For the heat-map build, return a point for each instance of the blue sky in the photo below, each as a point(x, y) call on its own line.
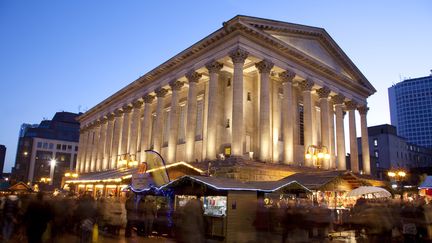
point(70, 55)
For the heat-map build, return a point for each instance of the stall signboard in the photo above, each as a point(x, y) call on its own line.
point(157, 165)
point(140, 179)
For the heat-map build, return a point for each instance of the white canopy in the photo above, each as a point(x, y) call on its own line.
point(363, 190)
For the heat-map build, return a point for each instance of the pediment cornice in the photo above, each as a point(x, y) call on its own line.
point(252, 28)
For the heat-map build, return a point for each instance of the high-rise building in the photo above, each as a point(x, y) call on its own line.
point(2, 158)
point(411, 110)
point(47, 150)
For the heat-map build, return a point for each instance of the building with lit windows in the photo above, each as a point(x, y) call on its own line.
point(411, 110)
point(257, 98)
point(46, 151)
point(391, 151)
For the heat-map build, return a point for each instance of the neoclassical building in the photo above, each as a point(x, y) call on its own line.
point(257, 89)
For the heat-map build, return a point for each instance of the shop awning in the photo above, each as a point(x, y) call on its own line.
point(427, 183)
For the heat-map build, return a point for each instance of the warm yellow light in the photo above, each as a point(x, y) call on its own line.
point(75, 175)
point(81, 185)
point(111, 186)
point(315, 157)
point(401, 174)
point(320, 155)
point(67, 174)
point(132, 163)
point(53, 162)
point(99, 186)
point(308, 156)
point(391, 174)
point(326, 156)
point(25, 153)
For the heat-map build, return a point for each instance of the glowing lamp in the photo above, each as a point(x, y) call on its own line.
point(308, 156)
point(401, 174)
point(391, 174)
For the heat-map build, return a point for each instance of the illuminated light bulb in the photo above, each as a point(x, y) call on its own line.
point(308, 156)
point(401, 174)
point(320, 155)
point(326, 156)
point(391, 174)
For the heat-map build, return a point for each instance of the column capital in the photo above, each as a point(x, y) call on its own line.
point(148, 99)
point(363, 109)
point(118, 113)
point(323, 92)
point(193, 77)
point(97, 123)
point(214, 66)
point(306, 85)
point(238, 55)
point(137, 103)
point(103, 119)
point(161, 92)
point(110, 116)
point(264, 66)
point(338, 99)
point(287, 76)
point(127, 108)
point(351, 105)
point(176, 85)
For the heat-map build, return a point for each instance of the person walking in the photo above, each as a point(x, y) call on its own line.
point(131, 214)
point(36, 218)
point(11, 208)
point(149, 215)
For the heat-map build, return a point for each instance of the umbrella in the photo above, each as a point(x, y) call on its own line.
point(363, 190)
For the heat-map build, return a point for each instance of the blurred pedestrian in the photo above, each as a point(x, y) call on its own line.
point(36, 218)
point(149, 214)
point(86, 213)
point(11, 207)
point(131, 214)
point(192, 227)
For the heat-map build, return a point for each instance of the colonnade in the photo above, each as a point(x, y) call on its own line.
point(124, 133)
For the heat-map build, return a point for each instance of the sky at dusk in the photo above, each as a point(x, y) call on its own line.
point(71, 55)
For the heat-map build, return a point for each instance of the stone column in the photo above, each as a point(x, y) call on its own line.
point(101, 144)
point(351, 107)
point(288, 110)
point(125, 131)
point(323, 94)
point(264, 67)
point(82, 149)
point(89, 147)
point(332, 136)
point(308, 109)
point(118, 122)
point(365, 140)
point(193, 78)
point(213, 68)
point(135, 120)
point(157, 137)
point(108, 141)
point(174, 121)
point(95, 146)
point(146, 126)
point(338, 100)
point(238, 57)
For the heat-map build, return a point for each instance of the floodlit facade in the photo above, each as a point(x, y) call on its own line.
point(254, 89)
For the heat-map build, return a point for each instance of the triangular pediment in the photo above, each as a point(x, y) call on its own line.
point(313, 49)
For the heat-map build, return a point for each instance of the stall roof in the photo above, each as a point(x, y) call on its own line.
point(316, 180)
point(221, 183)
point(427, 183)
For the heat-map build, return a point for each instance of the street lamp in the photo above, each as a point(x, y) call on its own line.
point(317, 154)
point(53, 163)
point(398, 176)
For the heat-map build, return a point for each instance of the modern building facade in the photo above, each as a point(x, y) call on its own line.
point(411, 110)
point(2, 158)
point(255, 89)
point(392, 152)
point(38, 148)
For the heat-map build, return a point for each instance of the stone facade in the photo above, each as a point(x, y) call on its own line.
point(265, 89)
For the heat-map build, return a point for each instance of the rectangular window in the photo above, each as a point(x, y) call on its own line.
point(76, 148)
point(45, 145)
point(64, 147)
point(376, 154)
point(182, 128)
point(69, 147)
point(301, 124)
point(166, 129)
point(58, 146)
point(199, 120)
point(39, 144)
point(51, 146)
point(375, 141)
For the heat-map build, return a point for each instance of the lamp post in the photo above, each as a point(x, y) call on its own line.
point(317, 154)
point(53, 163)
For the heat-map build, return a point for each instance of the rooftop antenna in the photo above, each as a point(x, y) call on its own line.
point(79, 108)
